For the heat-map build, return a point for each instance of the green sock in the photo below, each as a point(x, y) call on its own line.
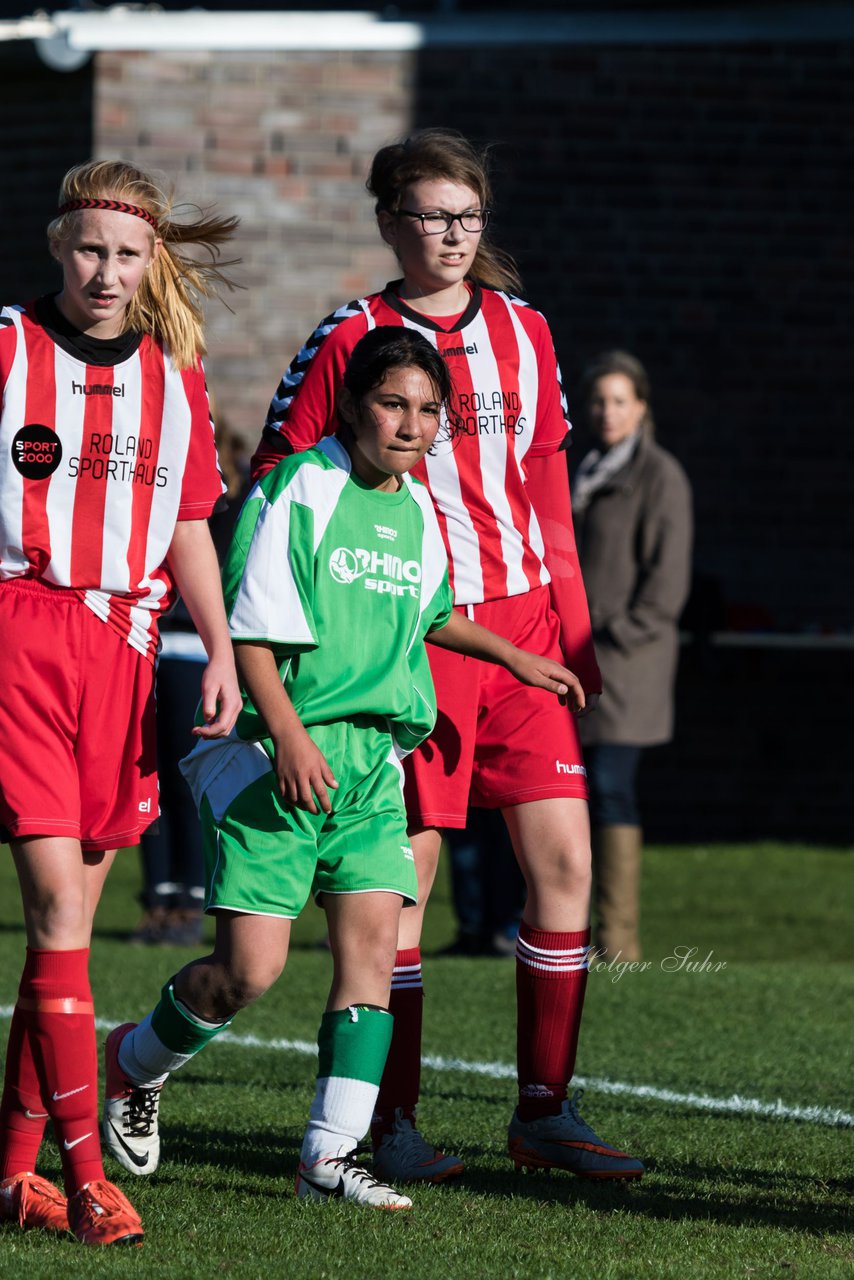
point(165, 1040)
point(353, 1045)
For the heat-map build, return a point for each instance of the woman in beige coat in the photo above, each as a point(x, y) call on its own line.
point(632, 511)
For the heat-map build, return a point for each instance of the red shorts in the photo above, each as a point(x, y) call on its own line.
point(76, 722)
point(497, 742)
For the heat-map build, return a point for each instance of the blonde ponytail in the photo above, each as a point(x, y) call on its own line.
point(167, 304)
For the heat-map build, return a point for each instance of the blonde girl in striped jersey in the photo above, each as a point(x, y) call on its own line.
point(108, 473)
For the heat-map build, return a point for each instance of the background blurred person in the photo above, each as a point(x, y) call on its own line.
point(631, 504)
point(173, 861)
point(487, 886)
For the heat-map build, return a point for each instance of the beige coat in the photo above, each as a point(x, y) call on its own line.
point(634, 543)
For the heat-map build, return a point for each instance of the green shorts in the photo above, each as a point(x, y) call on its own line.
point(265, 857)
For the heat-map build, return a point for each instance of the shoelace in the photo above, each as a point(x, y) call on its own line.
point(98, 1204)
point(347, 1164)
point(575, 1103)
point(406, 1138)
point(139, 1112)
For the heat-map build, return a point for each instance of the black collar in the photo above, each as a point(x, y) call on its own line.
point(392, 298)
point(98, 351)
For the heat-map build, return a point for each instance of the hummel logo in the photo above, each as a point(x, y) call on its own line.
point(68, 1145)
point(139, 1161)
point(57, 1097)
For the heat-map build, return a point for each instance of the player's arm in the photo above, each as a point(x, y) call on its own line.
point(301, 768)
point(193, 563)
point(460, 635)
point(303, 410)
point(547, 485)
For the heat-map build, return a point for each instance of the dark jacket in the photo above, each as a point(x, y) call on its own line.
point(634, 542)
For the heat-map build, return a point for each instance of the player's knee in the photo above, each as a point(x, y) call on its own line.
point(247, 982)
point(567, 873)
point(57, 920)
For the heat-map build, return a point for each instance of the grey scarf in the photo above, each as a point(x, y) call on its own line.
point(598, 467)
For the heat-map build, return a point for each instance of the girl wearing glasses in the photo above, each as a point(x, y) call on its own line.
point(499, 485)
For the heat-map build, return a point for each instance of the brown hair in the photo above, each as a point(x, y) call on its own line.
point(442, 153)
point(167, 303)
point(629, 366)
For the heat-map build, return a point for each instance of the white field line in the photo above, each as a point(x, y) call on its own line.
point(734, 1105)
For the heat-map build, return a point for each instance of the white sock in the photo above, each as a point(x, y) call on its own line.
point(340, 1115)
point(145, 1059)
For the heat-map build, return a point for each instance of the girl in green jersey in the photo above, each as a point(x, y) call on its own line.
point(336, 577)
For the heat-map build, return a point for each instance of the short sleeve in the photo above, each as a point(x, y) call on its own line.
point(437, 597)
point(552, 423)
point(202, 485)
point(268, 573)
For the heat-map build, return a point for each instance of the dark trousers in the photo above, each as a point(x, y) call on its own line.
point(172, 859)
point(612, 778)
point(488, 888)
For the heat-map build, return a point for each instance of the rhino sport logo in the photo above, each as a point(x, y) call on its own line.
point(381, 571)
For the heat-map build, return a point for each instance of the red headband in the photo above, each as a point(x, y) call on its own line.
point(115, 206)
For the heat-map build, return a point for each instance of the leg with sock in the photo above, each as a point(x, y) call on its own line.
point(60, 889)
point(138, 1060)
point(23, 1111)
point(25, 1198)
point(401, 1153)
point(401, 1082)
point(194, 1007)
point(551, 839)
point(353, 1045)
point(56, 1003)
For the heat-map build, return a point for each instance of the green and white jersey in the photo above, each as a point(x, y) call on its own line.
point(344, 582)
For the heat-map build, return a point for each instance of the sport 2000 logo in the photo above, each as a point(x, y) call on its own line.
point(383, 572)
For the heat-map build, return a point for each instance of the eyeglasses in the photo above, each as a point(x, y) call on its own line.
point(437, 221)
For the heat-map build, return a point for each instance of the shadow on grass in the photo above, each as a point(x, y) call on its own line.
point(253, 1153)
point(688, 1191)
point(671, 1191)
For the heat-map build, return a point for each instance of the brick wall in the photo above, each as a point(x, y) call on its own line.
point(285, 142)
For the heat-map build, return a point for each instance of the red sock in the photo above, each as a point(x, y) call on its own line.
point(57, 1000)
point(551, 976)
point(401, 1082)
point(23, 1114)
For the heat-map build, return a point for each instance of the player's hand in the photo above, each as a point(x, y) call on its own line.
point(303, 773)
point(545, 673)
point(221, 700)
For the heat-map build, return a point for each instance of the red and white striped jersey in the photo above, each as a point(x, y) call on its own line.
point(97, 464)
point(509, 408)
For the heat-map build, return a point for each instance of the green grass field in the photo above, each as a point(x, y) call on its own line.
point(730, 1190)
